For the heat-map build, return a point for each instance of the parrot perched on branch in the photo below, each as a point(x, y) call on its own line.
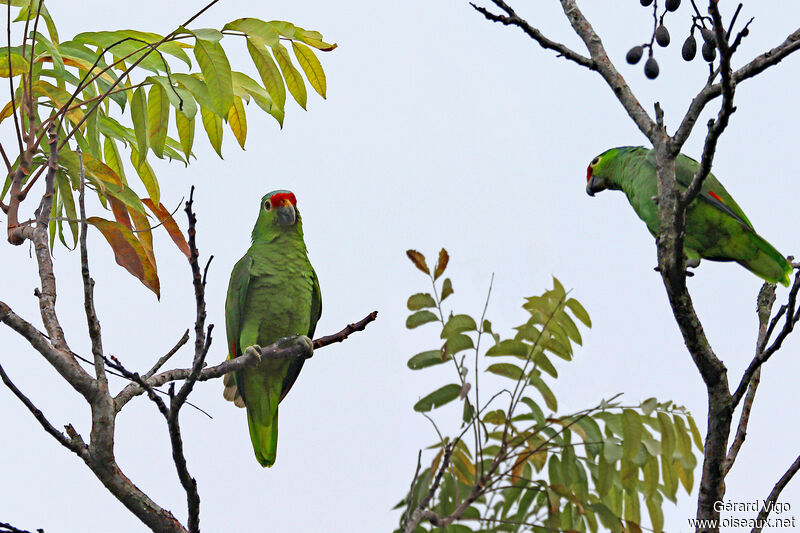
point(716, 227)
point(273, 293)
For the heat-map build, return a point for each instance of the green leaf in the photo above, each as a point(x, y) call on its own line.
point(509, 347)
point(294, 81)
point(426, 359)
point(669, 477)
point(605, 477)
point(547, 394)
point(212, 123)
point(607, 517)
point(457, 324)
point(65, 194)
point(140, 127)
point(179, 97)
point(628, 474)
point(421, 300)
point(632, 430)
point(217, 74)
point(656, 515)
point(311, 66)
point(496, 417)
point(468, 413)
point(437, 398)
point(506, 370)
point(157, 119)
point(652, 446)
point(650, 472)
point(696, 437)
point(667, 436)
point(265, 31)
point(543, 363)
point(648, 406)
point(579, 312)
point(684, 441)
point(419, 318)
point(447, 288)
point(268, 71)
point(19, 65)
point(612, 449)
point(208, 34)
point(457, 343)
point(536, 411)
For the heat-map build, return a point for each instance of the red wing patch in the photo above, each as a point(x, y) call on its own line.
point(716, 197)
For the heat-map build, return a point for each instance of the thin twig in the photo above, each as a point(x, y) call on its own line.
point(769, 503)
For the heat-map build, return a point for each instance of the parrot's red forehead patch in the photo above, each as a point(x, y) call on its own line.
point(277, 199)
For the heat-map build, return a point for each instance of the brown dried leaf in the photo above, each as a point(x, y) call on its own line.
point(441, 263)
point(128, 251)
point(418, 259)
point(165, 218)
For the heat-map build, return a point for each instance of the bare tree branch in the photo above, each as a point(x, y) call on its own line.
point(71, 444)
point(774, 493)
point(511, 19)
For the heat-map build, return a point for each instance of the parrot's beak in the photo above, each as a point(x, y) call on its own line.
point(593, 186)
point(286, 214)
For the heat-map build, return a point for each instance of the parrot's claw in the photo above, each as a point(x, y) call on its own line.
point(287, 342)
point(689, 274)
point(308, 345)
point(254, 351)
point(654, 199)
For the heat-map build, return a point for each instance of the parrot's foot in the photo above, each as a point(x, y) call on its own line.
point(689, 273)
point(305, 342)
point(254, 351)
point(654, 199)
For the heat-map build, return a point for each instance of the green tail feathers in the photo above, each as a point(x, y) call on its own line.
point(264, 438)
point(768, 263)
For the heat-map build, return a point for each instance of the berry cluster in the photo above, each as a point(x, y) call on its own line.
point(662, 38)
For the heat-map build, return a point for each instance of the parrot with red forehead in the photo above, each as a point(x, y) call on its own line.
point(273, 293)
point(716, 227)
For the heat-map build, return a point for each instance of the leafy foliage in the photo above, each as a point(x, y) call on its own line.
point(111, 92)
point(525, 466)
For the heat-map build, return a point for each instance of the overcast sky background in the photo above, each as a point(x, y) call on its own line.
point(440, 129)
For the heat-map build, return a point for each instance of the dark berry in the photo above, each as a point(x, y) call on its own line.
point(645, 3)
point(662, 35)
point(634, 55)
point(651, 68)
point(689, 49)
point(709, 52)
point(672, 5)
point(708, 36)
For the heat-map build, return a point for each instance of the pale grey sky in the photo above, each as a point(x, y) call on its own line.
point(440, 129)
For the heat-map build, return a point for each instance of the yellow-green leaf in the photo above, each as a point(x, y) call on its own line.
point(507, 370)
point(294, 81)
point(421, 300)
point(269, 73)
point(238, 121)
point(632, 430)
point(311, 66)
point(457, 324)
point(139, 117)
point(426, 359)
point(157, 119)
point(447, 288)
point(18, 64)
point(213, 126)
point(148, 177)
point(128, 252)
point(217, 74)
point(185, 127)
point(112, 157)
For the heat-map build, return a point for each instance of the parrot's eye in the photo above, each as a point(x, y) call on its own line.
point(267, 205)
point(595, 160)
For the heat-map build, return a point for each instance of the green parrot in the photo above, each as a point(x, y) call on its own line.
point(716, 227)
point(273, 293)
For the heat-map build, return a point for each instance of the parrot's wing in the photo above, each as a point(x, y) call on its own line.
point(316, 311)
point(712, 191)
point(316, 305)
point(234, 311)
